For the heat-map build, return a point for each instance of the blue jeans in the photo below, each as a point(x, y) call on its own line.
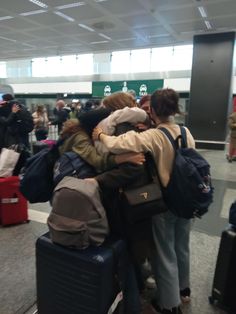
point(170, 258)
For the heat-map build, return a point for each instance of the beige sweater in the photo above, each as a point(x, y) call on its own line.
point(152, 140)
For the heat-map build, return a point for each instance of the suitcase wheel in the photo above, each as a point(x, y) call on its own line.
point(211, 299)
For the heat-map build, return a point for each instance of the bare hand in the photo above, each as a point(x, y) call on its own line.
point(134, 158)
point(96, 132)
point(15, 108)
point(142, 126)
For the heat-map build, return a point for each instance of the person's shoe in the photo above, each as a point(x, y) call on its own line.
point(174, 310)
point(230, 159)
point(185, 295)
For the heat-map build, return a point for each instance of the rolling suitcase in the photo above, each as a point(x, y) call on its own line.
point(224, 283)
point(13, 205)
point(78, 281)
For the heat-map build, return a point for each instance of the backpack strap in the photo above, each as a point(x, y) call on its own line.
point(183, 137)
point(175, 142)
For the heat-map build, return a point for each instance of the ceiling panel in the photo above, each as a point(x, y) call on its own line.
point(43, 32)
point(179, 15)
point(83, 13)
point(70, 29)
point(130, 24)
point(119, 7)
point(221, 8)
point(19, 6)
point(189, 26)
point(47, 19)
point(17, 23)
point(139, 21)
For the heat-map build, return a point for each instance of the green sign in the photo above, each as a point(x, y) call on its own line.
point(144, 87)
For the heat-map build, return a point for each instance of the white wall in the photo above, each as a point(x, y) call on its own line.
point(53, 88)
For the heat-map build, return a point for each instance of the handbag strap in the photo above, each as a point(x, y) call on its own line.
point(151, 168)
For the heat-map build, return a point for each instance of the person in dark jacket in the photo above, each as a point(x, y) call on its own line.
point(60, 115)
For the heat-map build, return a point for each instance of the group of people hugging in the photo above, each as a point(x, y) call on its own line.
point(114, 139)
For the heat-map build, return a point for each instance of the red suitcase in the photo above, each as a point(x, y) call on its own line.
point(13, 205)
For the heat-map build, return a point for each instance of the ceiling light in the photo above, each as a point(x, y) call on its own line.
point(158, 36)
point(208, 24)
point(100, 0)
point(5, 38)
point(8, 17)
point(104, 36)
point(71, 5)
point(39, 3)
point(32, 12)
point(64, 16)
point(202, 11)
point(126, 39)
point(99, 42)
point(86, 27)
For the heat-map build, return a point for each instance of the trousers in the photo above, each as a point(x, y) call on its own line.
point(170, 257)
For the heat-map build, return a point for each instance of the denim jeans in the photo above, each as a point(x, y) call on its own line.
point(170, 258)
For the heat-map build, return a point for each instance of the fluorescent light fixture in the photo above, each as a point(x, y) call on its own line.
point(126, 39)
point(28, 45)
point(99, 42)
point(32, 12)
point(71, 5)
point(39, 3)
point(86, 27)
point(5, 38)
point(104, 36)
point(158, 36)
point(64, 16)
point(202, 11)
point(100, 0)
point(208, 25)
point(8, 17)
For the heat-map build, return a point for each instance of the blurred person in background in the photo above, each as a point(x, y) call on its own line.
point(40, 123)
point(60, 114)
point(232, 139)
point(16, 122)
point(75, 107)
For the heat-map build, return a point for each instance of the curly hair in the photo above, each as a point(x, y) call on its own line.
point(118, 100)
point(164, 102)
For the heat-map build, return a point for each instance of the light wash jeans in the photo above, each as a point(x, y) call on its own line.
point(170, 258)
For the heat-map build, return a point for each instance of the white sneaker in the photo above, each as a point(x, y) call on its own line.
point(150, 283)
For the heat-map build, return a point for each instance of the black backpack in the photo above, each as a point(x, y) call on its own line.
point(71, 164)
point(189, 191)
point(36, 178)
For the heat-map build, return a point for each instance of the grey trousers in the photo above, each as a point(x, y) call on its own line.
point(170, 258)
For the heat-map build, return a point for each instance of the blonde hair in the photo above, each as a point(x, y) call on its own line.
point(70, 127)
point(118, 100)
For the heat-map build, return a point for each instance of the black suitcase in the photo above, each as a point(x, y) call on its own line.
point(78, 281)
point(224, 283)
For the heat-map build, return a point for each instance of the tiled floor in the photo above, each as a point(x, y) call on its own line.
point(17, 247)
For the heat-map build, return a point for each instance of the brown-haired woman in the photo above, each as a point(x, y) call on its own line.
point(171, 233)
point(40, 119)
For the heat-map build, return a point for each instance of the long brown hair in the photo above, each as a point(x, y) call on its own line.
point(118, 100)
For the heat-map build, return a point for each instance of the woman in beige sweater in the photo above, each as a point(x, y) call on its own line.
point(170, 233)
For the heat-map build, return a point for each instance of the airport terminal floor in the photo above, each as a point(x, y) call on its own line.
point(17, 253)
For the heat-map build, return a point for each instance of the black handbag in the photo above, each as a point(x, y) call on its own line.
point(143, 202)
